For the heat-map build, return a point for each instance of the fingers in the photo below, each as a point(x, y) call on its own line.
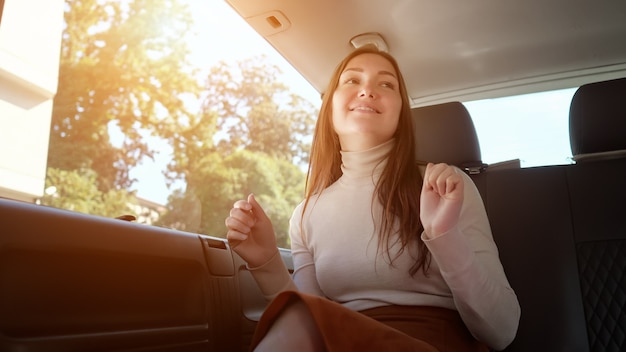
point(241, 218)
point(441, 178)
point(244, 216)
point(235, 238)
point(241, 221)
point(256, 208)
point(242, 204)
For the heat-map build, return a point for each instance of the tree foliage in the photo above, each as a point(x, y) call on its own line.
point(257, 112)
point(125, 67)
point(76, 190)
point(218, 181)
point(122, 63)
point(248, 137)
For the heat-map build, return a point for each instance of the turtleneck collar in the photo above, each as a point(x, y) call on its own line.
point(365, 166)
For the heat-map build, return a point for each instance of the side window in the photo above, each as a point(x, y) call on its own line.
point(531, 127)
point(160, 117)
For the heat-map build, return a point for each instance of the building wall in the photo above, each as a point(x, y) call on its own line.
point(30, 42)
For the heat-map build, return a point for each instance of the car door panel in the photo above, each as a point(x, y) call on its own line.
point(71, 281)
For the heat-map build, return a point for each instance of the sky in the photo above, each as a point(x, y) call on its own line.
point(533, 128)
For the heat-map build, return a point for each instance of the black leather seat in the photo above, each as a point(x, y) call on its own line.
point(598, 121)
point(531, 222)
point(445, 133)
point(561, 232)
point(598, 203)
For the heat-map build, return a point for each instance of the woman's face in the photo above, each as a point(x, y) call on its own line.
point(367, 103)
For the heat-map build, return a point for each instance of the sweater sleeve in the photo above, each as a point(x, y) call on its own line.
point(468, 260)
point(304, 274)
point(273, 277)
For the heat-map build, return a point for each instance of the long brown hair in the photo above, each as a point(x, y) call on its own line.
point(400, 184)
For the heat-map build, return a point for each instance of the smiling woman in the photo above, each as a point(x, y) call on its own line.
point(375, 110)
point(379, 231)
point(377, 235)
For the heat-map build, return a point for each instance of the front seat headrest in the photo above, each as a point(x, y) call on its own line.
point(445, 133)
point(597, 115)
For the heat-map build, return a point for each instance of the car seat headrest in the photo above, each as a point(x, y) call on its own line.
point(445, 133)
point(597, 119)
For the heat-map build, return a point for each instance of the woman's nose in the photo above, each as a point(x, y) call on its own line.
point(366, 93)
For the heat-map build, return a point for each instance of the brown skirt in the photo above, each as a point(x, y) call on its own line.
point(388, 328)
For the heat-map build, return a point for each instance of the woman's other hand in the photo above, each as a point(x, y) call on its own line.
point(441, 199)
point(250, 232)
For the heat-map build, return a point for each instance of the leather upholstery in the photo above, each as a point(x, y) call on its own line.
point(445, 133)
point(597, 195)
point(598, 118)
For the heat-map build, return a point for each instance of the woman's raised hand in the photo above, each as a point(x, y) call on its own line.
point(250, 232)
point(441, 199)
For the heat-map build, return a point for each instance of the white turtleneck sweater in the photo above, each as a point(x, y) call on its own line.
point(336, 255)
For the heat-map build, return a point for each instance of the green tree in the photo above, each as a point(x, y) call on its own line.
point(218, 181)
point(248, 138)
point(76, 190)
point(123, 64)
point(124, 67)
point(257, 112)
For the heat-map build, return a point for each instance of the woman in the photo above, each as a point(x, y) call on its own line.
point(384, 257)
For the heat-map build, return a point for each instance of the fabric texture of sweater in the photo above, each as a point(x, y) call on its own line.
point(336, 254)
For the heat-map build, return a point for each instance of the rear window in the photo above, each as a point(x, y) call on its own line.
point(531, 127)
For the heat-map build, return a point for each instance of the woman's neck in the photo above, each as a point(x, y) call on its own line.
point(366, 163)
point(360, 143)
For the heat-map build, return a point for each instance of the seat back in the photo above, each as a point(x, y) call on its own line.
point(445, 133)
point(598, 121)
point(562, 235)
point(531, 222)
point(597, 195)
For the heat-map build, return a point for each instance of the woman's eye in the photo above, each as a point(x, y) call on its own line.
point(387, 85)
point(351, 81)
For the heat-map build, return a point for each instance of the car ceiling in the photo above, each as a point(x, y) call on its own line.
point(450, 49)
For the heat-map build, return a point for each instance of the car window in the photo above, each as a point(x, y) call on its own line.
point(169, 111)
point(531, 127)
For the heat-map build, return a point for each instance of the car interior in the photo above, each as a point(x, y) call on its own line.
point(77, 282)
